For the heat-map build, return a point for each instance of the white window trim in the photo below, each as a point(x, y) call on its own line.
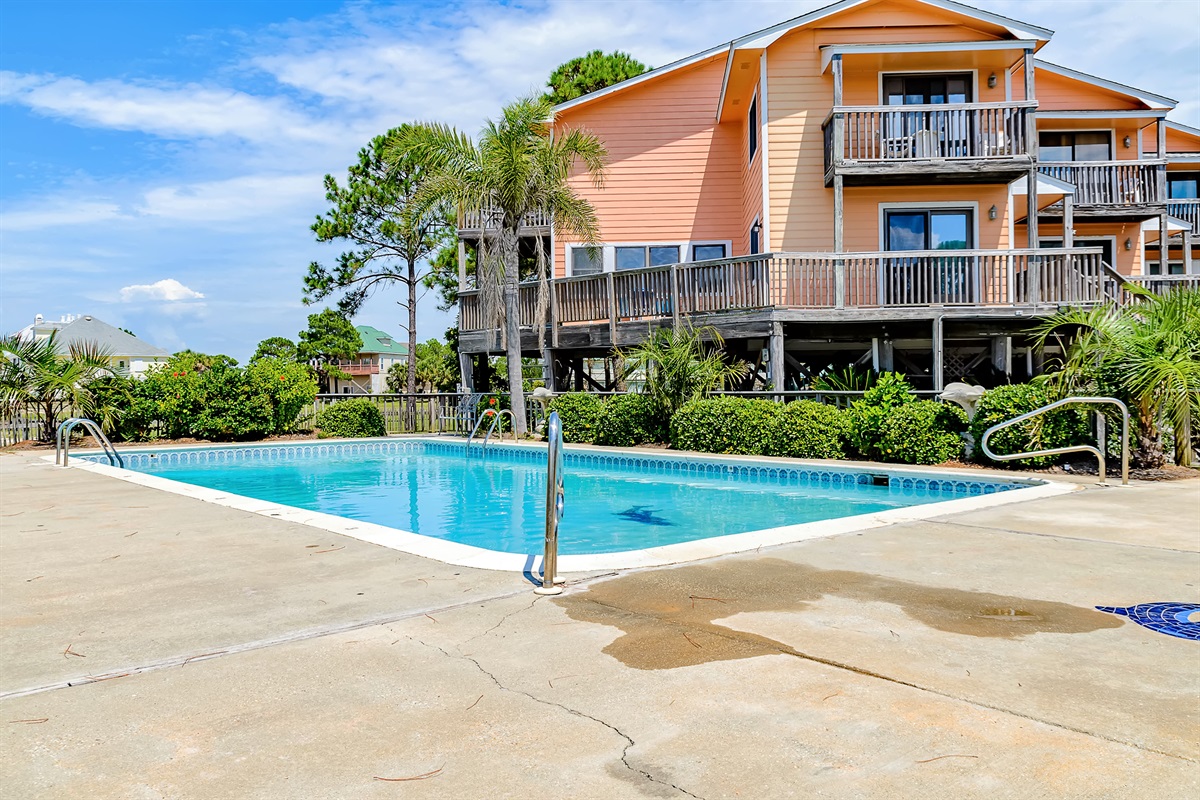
point(1112, 141)
point(608, 250)
point(974, 80)
point(932, 205)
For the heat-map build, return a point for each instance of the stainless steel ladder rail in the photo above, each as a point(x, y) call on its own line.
point(62, 441)
point(1098, 452)
point(499, 416)
point(555, 500)
point(486, 412)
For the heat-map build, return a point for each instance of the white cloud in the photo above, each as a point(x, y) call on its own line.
point(59, 212)
point(235, 199)
point(167, 290)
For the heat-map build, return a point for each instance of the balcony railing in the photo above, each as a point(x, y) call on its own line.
point(1188, 210)
point(1115, 183)
point(358, 366)
point(981, 278)
point(490, 218)
point(879, 134)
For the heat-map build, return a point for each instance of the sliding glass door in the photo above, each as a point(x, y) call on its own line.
point(928, 278)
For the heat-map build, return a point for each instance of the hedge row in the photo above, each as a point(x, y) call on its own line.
point(888, 424)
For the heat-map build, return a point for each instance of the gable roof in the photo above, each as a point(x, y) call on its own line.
point(766, 36)
point(1149, 99)
point(89, 329)
point(377, 341)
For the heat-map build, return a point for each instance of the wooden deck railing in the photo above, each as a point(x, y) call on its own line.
point(490, 218)
point(1188, 210)
point(1110, 182)
point(923, 132)
point(984, 278)
point(364, 366)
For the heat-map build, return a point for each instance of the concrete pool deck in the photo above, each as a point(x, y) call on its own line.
point(248, 657)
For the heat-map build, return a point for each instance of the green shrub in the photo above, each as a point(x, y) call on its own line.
point(1060, 428)
point(807, 429)
point(923, 432)
point(869, 415)
point(580, 413)
point(631, 419)
point(288, 388)
point(351, 418)
point(724, 425)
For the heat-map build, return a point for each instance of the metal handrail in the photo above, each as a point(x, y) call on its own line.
point(62, 441)
point(475, 430)
point(499, 416)
point(1081, 448)
point(555, 500)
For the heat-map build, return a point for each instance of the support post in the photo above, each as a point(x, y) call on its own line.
point(836, 65)
point(462, 265)
point(839, 245)
point(1164, 245)
point(1069, 221)
point(1031, 209)
point(1031, 144)
point(1002, 354)
point(887, 355)
point(1187, 252)
point(675, 296)
point(548, 368)
point(778, 372)
point(466, 372)
point(612, 310)
point(939, 379)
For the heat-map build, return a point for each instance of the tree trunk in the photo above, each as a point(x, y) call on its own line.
point(1183, 443)
point(410, 411)
point(510, 254)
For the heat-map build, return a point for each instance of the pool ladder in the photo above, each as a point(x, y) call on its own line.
point(497, 416)
point(62, 441)
point(555, 500)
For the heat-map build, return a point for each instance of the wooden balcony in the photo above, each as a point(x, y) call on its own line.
point(474, 224)
point(831, 285)
point(1187, 210)
point(364, 366)
point(1110, 188)
point(957, 143)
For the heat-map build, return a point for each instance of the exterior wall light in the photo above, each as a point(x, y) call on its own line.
point(992, 81)
point(1128, 243)
point(1127, 142)
point(992, 212)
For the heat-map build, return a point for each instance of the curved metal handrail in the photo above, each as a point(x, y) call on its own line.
point(555, 500)
point(475, 430)
point(1082, 448)
point(499, 416)
point(62, 441)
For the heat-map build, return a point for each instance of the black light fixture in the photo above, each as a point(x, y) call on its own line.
point(757, 226)
point(992, 212)
point(1128, 243)
point(992, 81)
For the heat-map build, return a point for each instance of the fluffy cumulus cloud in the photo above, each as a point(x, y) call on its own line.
point(167, 290)
point(236, 149)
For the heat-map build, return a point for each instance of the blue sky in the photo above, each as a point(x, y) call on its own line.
point(161, 162)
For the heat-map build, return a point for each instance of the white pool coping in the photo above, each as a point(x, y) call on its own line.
point(480, 558)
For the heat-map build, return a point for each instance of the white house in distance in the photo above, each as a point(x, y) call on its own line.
point(128, 355)
point(368, 370)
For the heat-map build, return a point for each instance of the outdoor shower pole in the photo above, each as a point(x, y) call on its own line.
point(554, 505)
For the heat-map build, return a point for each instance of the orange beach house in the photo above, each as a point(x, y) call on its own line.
point(899, 184)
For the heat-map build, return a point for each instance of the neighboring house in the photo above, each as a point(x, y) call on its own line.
point(898, 184)
point(368, 370)
point(128, 355)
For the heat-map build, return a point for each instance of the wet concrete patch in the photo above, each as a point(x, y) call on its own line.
point(667, 616)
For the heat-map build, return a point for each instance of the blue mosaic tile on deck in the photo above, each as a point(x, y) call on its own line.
point(900, 485)
point(1173, 619)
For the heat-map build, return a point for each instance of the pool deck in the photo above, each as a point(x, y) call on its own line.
point(240, 656)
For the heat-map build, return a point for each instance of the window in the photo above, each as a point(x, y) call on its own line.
point(1074, 146)
point(585, 262)
point(752, 126)
point(1183, 185)
point(926, 89)
point(655, 255)
point(934, 229)
point(1107, 245)
point(1173, 267)
point(703, 252)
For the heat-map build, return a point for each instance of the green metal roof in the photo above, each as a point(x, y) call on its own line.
point(377, 341)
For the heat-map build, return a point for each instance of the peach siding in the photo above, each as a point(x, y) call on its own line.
point(1180, 142)
point(862, 208)
point(752, 194)
point(1129, 262)
point(1059, 93)
point(673, 174)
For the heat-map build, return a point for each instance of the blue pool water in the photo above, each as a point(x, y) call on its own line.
point(497, 502)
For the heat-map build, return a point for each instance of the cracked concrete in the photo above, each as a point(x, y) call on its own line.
point(336, 675)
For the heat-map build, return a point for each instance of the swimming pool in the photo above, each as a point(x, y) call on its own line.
point(616, 501)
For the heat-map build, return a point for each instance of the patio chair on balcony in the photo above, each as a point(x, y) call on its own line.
point(925, 144)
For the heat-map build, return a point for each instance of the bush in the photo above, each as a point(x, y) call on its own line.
point(723, 425)
point(1060, 428)
point(580, 414)
point(923, 432)
point(631, 419)
point(287, 387)
point(807, 429)
point(869, 415)
point(351, 418)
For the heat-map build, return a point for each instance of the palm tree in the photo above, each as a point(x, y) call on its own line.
point(515, 168)
point(33, 374)
point(678, 367)
point(1147, 354)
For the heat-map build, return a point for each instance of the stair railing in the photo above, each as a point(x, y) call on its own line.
point(62, 441)
point(1098, 452)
